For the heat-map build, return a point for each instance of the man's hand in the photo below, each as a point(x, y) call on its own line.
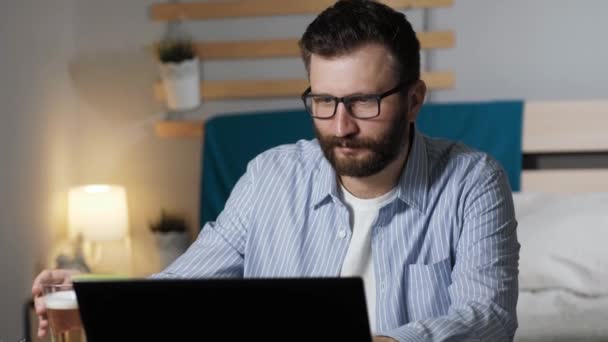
point(47, 277)
point(383, 339)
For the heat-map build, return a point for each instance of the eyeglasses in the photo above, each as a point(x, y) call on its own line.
point(364, 106)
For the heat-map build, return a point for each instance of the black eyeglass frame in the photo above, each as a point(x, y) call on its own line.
point(349, 98)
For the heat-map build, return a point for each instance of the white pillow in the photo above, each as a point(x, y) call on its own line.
point(564, 241)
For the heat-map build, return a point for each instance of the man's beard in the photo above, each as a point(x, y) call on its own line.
point(382, 150)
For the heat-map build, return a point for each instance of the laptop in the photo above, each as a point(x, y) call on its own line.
point(276, 309)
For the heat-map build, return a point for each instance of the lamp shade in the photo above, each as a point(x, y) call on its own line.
point(98, 212)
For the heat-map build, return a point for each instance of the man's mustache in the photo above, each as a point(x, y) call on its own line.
point(349, 142)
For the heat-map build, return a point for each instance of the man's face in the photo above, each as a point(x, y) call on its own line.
point(360, 147)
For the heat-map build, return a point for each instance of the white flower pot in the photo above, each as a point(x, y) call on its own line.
point(170, 246)
point(181, 82)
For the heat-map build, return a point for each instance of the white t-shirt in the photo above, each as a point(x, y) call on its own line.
point(358, 261)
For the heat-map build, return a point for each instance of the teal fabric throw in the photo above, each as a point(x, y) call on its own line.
point(491, 127)
point(231, 141)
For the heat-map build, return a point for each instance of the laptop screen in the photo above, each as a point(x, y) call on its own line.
point(289, 309)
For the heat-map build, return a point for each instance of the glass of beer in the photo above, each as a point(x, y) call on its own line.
point(62, 312)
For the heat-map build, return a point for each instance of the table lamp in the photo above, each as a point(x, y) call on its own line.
point(97, 214)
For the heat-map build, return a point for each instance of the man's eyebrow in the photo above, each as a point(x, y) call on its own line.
point(362, 94)
point(322, 94)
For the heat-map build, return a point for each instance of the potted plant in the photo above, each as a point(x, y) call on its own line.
point(180, 75)
point(172, 238)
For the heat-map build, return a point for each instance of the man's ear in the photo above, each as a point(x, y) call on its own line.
point(416, 96)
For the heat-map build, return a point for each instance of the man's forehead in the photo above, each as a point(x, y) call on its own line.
point(368, 69)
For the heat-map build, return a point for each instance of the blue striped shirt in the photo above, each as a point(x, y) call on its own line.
point(445, 250)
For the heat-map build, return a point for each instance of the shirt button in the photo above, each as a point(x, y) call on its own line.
point(342, 234)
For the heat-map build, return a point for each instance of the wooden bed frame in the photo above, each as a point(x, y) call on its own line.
point(565, 127)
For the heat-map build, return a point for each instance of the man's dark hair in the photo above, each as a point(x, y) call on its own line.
point(349, 24)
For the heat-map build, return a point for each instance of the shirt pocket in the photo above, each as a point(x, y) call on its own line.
point(427, 293)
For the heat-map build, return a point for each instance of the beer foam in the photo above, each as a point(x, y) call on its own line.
point(62, 300)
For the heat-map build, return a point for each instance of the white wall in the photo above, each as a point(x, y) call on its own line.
point(37, 117)
point(521, 49)
point(113, 74)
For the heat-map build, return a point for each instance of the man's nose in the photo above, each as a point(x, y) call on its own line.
point(344, 123)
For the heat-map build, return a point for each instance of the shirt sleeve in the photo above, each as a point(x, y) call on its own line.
point(484, 289)
point(219, 250)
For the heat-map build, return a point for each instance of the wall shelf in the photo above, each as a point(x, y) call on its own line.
point(179, 129)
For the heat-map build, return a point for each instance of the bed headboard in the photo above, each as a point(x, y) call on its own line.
point(554, 131)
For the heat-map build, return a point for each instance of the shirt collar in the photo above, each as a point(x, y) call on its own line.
point(324, 183)
point(413, 183)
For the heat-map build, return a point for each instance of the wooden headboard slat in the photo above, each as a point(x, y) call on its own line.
point(565, 126)
point(244, 8)
point(289, 47)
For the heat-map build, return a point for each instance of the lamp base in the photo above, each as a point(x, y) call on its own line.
point(109, 257)
point(73, 263)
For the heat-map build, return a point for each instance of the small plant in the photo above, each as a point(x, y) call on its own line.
point(175, 50)
point(179, 71)
point(169, 223)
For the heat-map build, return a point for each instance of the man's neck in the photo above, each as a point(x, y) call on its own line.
point(382, 182)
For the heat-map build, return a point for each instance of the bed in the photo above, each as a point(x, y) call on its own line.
point(563, 225)
point(562, 212)
point(563, 267)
